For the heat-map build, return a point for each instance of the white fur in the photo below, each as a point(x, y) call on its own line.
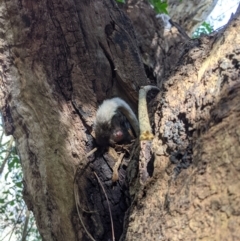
point(108, 109)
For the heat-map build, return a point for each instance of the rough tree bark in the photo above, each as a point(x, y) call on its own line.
point(190, 14)
point(160, 48)
point(59, 59)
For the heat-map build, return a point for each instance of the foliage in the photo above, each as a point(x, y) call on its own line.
point(160, 6)
point(15, 220)
point(205, 28)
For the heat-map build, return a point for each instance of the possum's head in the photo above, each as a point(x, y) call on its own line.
point(114, 118)
point(115, 131)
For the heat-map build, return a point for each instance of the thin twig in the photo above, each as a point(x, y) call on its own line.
point(116, 166)
point(15, 225)
point(8, 152)
point(180, 29)
point(99, 181)
point(76, 196)
point(24, 233)
point(1, 135)
point(91, 152)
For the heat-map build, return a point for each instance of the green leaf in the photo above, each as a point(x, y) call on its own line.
point(205, 28)
point(208, 27)
point(19, 184)
point(160, 6)
point(6, 176)
point(120, 1)
point(10, 165)
point(6, 192)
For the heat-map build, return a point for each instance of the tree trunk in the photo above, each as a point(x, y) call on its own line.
point(197, 130)
point(190, 14)
point(60, 59)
